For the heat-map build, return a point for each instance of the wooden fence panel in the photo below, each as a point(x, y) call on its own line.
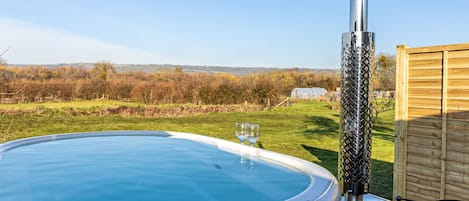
point(432, 123)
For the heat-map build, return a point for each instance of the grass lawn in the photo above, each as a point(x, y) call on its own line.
point(308, 130)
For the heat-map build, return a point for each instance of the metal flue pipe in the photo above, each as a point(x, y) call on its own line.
point(355, 114)
point(358, 15)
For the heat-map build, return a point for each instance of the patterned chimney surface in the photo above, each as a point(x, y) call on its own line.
point(355, 114)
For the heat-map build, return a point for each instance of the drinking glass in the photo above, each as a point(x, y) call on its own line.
point(252, 137)
point(241, 131)
point(253, 134)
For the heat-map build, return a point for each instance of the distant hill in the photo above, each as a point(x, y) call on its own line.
point(185, 68)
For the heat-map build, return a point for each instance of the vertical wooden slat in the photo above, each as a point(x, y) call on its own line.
point(444, 123)
point(401, 118)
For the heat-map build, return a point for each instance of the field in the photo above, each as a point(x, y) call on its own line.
point(308, 130)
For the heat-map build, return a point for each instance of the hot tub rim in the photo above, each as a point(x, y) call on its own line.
point(330, 190)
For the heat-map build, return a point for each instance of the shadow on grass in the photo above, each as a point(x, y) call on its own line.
point(381, 171)
point(381, 128)
point(386, 132)
point(259, 144)
point(320, 126)
point(386, 137)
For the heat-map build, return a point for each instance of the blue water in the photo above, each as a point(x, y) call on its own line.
point(138, 168)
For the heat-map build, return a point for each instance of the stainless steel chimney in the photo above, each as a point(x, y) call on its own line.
point(355, 114)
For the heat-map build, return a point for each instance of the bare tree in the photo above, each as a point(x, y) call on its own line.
point(384, 72)
point(102, 69)
point(383, 79)
point(2, 60)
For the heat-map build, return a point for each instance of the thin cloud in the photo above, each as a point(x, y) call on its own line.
point(36, 44)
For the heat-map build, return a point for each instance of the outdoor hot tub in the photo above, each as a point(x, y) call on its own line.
point(154, 165)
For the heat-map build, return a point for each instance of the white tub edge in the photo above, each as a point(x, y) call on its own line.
point(331, 191)
point(329, 187)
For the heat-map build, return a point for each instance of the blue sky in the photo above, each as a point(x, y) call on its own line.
point(262, 33)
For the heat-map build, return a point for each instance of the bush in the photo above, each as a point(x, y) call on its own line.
point(34, 84)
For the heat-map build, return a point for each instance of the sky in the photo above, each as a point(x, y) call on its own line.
point(239, 33)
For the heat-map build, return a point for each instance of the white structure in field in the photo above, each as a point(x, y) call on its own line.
point(308, 93)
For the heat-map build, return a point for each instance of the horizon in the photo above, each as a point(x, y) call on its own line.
point(278, 34)
point(190, 68)
point(175, 65)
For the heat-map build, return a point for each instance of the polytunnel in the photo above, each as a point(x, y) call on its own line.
point(308, 93)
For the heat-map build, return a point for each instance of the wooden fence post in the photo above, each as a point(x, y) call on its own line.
point(444, 123)
point(400, 122)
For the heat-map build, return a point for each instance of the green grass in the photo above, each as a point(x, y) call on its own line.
point(308, 130)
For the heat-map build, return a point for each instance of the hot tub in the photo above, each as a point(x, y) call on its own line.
point(154, 165)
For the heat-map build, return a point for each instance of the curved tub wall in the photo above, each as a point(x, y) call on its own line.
point(323, 185)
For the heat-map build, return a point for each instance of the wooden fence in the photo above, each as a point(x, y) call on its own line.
point(432, 123)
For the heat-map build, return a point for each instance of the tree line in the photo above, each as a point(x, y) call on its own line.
point(65, 83)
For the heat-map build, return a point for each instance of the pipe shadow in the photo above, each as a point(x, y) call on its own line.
point(381, 128)
point(382, 136)
point(381, 171)
point(319, 125)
